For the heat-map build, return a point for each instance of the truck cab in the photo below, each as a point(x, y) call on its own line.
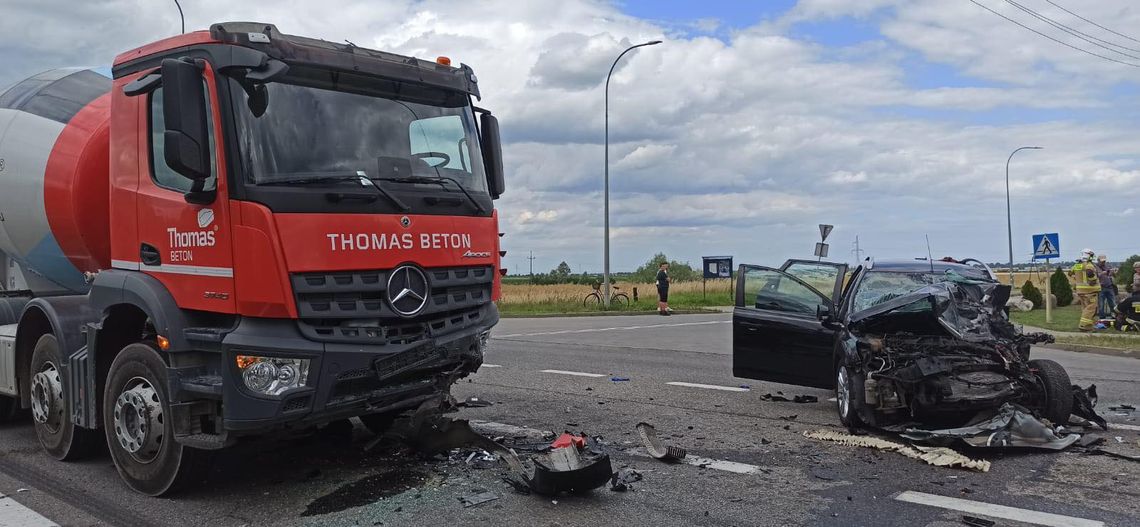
point(297, 232)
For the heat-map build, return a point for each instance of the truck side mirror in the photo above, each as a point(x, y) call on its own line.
point(186, 141)
point(492, 154)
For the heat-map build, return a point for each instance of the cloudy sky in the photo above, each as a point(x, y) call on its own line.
point(752, 123)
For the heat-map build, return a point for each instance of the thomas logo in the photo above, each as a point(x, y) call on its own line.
point(205, 218)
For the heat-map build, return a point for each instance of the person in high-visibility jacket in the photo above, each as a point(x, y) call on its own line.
point(1087, 287)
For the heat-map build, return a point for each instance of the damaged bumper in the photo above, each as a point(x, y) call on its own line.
point(343, 380)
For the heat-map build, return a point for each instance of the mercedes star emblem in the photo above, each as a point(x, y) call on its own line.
point(406, 222)
point(407, 290)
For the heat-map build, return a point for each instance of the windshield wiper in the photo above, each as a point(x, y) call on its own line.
point(438, 181)
point(357, 177)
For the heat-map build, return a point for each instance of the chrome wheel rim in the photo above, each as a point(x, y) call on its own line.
point(47, 398)
point(842, 397)
point(138, 420)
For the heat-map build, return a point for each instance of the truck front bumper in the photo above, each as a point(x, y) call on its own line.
point(344, 380)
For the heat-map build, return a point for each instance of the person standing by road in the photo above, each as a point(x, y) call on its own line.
point(1088, 287)
point(663, 289)
point(1135, 278)
point(1106, 302)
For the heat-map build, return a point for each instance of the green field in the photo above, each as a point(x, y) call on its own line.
point(682, 301)
point(1066, 319)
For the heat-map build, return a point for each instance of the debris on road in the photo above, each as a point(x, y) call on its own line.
point(1122, 408)
point(653, 445)
point(478, 498)
point(1012, 426)
point(569, 469)
point(474, 402)
point(974, 521)
point(619, 379)
point(937, 456)
point(623, 479)
point(805, 399)
point(1084, 400)
point(567, 439)
point(779, 397)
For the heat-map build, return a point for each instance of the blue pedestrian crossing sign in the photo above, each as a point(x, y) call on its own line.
point(1046, 246)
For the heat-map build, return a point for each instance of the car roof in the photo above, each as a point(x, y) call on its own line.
point(918, 266)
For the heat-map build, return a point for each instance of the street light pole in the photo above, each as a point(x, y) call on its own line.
point(606, 272)
point(1008, 214)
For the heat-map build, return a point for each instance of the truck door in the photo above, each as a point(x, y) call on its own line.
point(776, 331)
point(185, 246)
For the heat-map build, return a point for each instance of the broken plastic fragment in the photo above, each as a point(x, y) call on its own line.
point(937, 456)
point(567, 439)
point(653, 445)
point(478, 498)
point(619, 379)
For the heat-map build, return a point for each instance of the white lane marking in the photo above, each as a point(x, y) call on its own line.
point(1112, 425)
point(619, 328)
point(574, 373)
point(15, 514)
point(832, 399)
point(705, 462)
point(492, 366)
point(996, 511)
point(709, 386)
point(493, 428)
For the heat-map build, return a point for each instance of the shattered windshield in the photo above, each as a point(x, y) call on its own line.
point(323, 125)
point(880, 286)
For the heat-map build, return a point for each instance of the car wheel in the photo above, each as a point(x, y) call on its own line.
point(1054, 380)
point(51, 413)
point(849, 396)
point(139, 428)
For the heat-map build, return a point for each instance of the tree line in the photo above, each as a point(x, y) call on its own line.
point(645, 274)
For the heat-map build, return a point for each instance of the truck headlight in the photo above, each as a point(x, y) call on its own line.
point(272, 375)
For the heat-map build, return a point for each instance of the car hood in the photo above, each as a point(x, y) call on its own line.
point(964, 309)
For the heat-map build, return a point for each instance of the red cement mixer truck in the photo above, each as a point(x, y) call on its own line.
point(237, 232)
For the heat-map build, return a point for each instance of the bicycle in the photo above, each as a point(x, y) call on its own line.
point(616, 299)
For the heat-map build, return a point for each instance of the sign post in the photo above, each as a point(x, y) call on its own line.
point(821, 247)
point(1047, 246)
point(716, 267)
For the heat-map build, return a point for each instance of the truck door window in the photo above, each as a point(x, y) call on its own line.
point(441, 135)
point(161, 173)
point(772, 290)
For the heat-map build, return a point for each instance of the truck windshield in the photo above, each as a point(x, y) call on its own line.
point(319, 123)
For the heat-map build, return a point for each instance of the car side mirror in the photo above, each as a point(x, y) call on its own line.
point(492, 154)
point(186, 141)
point(824, 314)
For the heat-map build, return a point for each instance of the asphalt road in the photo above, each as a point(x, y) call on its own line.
point(753, 466)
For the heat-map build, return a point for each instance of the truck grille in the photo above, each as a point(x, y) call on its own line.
point(352, 307)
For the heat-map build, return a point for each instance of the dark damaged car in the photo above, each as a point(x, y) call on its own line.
point(899, 341)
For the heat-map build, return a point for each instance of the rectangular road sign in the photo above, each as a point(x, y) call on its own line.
point(1046, 245)
point(821, 250)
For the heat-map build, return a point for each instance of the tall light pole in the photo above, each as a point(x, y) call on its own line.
point(1008, 215)
point(606, 271)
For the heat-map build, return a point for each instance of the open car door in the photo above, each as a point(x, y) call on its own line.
point(777, 332)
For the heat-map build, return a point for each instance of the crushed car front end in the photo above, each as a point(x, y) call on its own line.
point(941, 354)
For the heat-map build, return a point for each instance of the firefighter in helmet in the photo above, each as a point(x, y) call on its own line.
point(1087, 287)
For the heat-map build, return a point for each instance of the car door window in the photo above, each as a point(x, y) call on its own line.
point(821, 276)
point(772, 290)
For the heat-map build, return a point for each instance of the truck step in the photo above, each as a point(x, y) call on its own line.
point(205, 441)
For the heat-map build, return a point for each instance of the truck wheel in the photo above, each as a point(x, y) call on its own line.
point(1058, 403)
point(139, 430)
point(51, 413)
point(849, 396)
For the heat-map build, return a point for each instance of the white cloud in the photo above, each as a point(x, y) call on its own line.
point(737, 146)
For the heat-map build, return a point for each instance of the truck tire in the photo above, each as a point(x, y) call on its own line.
point(140, 434)
point(51, 411)
point(849, 396)
point(1054, 380)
